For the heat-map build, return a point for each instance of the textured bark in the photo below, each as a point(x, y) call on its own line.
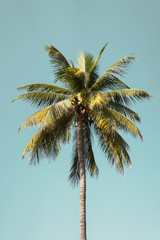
point(82, 202)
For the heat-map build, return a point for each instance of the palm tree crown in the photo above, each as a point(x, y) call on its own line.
point(100, 101)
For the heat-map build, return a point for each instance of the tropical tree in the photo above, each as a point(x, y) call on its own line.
point(87, 103)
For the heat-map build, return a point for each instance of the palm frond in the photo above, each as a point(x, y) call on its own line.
point(120, 121)
point(124, 110)
point(42, 98)
point(97, 59)
point(97, 99)
point(81, 62)
point(85, 64)
point(108, 119)
point(74, 79)
point(113, 145)
point(93, 76)
point(106, 125)
point(127, 96)
point(47, 116)
point(44, 88)
point(108, 81)
point(120, 66)
point(47, 141)
point(37, 118)
point(43, 144)
point(58, 61)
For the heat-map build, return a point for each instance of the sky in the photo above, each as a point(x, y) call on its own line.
point(38, 203)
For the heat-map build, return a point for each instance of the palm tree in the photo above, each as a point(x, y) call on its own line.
point(86, 103)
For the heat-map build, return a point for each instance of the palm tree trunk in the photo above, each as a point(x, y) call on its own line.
point(82, 203)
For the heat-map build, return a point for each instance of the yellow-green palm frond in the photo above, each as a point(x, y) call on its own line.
point(107, 81)
point(100, 100)
point(56, 55)
point(120, 121)
point(58, 61)
point(120, 66)
point(36, 119)
point(105, 125)
point(124, 110)
point(63, 124)
point(58, 113)
point(93, 76)
point(97, 99)
point(127, 95)
point(117, 152)
point(102, 122)
point(47, 115)
point(42, 98)
point(107, 121)
point(88, 69)
point(85, 62)
point(97, 59)
point(74, 79)
point(47, 141)
point(81, 62)
point(113, 145)
point(43, 144)
point(44, 88)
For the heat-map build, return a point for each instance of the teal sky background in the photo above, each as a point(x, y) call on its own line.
point(38, 203)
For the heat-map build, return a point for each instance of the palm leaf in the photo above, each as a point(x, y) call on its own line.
point(56, 56)
point(85, 64)
point(97, 59)
point(120, 121)
point(127, 95)
point(106, 126)
point(118, 67)
point(47, 141)
point(74, 79)
point(109, 81)
point(97, 99)
point(42, 98)
point(44, 88)
point(82, 62)
point(43, 144)
point(93, 76)
point(37, 118)
point(124, 110)
point(113, 145)
point(58, 62)
point(47, 116)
